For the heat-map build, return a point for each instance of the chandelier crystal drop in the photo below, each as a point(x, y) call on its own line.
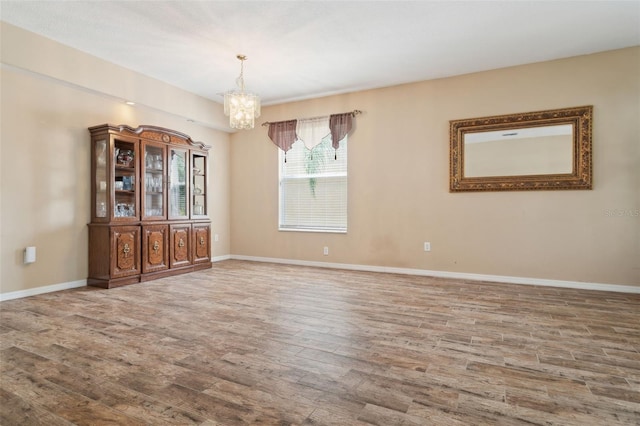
point(241, 107)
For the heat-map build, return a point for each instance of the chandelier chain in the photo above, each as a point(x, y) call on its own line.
point(240, 79)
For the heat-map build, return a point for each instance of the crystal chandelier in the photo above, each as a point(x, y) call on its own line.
point(241, 107)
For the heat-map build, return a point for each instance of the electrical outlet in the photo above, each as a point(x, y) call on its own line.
point(427, 246)
point(29, 255)
point(326, 251)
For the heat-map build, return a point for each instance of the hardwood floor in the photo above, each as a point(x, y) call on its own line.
point(254, 343)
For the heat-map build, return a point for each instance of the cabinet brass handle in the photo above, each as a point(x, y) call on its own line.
point(181, 243)
point(126, 249)
point(156, 246)
point(201, 241)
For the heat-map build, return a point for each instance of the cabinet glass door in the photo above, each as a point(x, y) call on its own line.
point(153, 181)
point(178, 191)
point(199, 182)
point(125, 185)
point(100, 152)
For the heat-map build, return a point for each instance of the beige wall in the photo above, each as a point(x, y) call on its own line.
point(398, 187)
point(398, 180)
point(50, 96)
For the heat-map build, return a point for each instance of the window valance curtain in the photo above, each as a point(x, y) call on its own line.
point(340, 125)
point(283, 134)
point(311, 131)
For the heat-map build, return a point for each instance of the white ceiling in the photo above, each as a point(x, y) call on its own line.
point(304, 49)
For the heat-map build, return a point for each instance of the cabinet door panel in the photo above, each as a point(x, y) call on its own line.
point(125, 180)
point(100, 182)
point(199, 182)
point(154, 248)
point(201, 236)
point(125, 242)
point(180, 245)
point(178, 189)
point(154, 176)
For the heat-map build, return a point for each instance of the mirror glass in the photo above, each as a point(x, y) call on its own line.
point(526, 151)
point(536, 150)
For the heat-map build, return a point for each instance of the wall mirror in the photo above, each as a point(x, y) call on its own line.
point(527, 151)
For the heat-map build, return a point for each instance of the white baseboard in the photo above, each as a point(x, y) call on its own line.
point(445, 274)
point(367, 268)
point(40, 290)
point(221, 258)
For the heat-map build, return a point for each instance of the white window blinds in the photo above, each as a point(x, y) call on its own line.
point(313, 187)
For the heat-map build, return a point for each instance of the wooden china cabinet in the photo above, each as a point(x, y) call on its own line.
point(149, 211)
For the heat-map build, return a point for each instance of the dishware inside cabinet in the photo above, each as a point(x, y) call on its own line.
point(125, 201)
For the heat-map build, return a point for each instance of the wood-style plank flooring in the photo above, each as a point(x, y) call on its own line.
point(257, 343)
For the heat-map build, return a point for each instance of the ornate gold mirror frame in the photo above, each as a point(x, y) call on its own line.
point(540, 150)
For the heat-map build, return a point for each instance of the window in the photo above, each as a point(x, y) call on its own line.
point(313, 187)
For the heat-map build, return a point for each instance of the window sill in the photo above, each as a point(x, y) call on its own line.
point(316, 230)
